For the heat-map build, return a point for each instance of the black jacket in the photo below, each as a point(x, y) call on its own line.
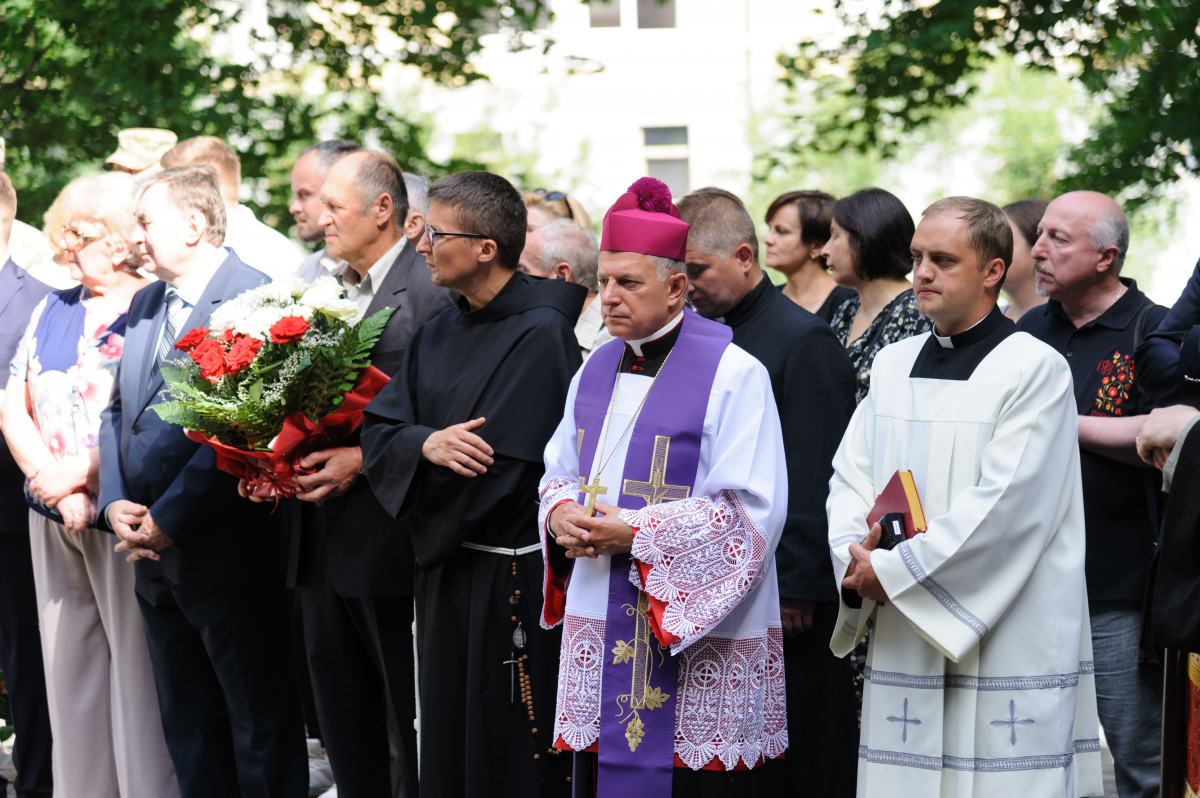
point(369, 552)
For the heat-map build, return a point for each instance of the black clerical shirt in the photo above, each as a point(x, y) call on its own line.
point(812, 380)
point(964, 352)
point(1117, 499)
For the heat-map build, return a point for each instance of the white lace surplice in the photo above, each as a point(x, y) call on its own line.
point(712, 562)
point(980, 680)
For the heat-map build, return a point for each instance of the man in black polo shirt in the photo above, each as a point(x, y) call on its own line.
point(813, 383)
point(1096, 318)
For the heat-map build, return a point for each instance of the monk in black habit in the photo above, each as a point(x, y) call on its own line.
point(813, 383)
point(454, 444)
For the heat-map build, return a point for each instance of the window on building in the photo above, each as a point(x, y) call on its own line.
point(656, 13)
point(665, 136)
point(605, 13)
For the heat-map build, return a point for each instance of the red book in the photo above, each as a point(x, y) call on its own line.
point(900, 496)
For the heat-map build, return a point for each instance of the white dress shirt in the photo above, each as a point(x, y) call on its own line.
point(362, 290)
point(262, 247)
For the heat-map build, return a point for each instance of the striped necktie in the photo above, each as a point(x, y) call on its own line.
point(174, 303)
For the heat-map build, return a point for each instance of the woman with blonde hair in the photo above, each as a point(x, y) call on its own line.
point(545, 206)
point(104, 716)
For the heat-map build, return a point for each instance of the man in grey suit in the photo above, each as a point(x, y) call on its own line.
point(209, 564)
point(20, 641)
point(351, 561)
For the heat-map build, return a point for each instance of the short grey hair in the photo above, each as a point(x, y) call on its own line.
point(718, 222)
point(1111, 229)
point(418, 192)
point(377, 175)
point(667, 266)
point(563, 241)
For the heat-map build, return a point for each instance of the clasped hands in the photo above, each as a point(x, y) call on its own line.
point(137, 530)
point(860, 576)
point(1160, 431)
point(62, 484)
point(588, 536)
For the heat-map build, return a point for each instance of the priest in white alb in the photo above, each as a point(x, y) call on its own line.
point(979, 673)
point(671, 672)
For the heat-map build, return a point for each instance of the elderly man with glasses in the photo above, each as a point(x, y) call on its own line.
point(351, 560)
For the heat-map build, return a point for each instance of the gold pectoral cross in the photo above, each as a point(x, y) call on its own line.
point(592, 491)
point(656, 491)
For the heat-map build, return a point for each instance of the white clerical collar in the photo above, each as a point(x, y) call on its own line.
point(193, 287)
point(636, 345)
point(945, 342)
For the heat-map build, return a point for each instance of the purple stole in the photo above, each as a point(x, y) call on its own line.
point(638, 685)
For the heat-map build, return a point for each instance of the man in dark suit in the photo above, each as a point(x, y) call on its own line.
point(210, 565)
point(20, 641)
point(351, 561)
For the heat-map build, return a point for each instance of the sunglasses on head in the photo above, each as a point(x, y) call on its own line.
point(550, 196)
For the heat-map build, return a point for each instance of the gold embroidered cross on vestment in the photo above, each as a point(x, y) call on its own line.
point(656, 491)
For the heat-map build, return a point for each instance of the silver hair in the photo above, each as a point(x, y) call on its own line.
point(105, 199)
point(563, 241)
point(418, 192)
point(1111, 229)
point(665, 267)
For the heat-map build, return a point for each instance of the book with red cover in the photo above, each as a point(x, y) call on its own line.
point(900, 496)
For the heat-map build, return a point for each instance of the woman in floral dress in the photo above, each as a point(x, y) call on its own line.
point(108, 735)
point(869, 250)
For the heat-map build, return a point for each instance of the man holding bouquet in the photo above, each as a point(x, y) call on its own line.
point(210, 565)
point(352, 561)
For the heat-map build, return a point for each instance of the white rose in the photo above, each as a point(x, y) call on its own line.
point(260, 321)
point(325, 295)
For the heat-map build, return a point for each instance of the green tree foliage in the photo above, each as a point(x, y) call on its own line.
point(74, 72)
point(897, 73)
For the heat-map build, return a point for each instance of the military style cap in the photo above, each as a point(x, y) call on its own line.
point(139, 148)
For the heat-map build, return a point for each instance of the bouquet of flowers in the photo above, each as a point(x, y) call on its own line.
point(279, 373)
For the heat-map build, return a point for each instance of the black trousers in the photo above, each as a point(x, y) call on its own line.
point(21, 661)
point(222, 662)
point(360, 656)
point(822, 713)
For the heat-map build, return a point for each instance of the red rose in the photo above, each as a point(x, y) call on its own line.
point(229, 334)
point(288, 329)
point(210, 356)
point(241, 354)
point(188, 342)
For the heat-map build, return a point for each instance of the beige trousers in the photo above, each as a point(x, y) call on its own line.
point(108, 734)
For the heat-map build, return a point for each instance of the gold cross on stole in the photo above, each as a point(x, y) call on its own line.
point(656, 491)
point(592, 491)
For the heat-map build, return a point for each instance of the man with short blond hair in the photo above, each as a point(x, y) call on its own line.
point(980, 674)
point(216, 622)
point(256, 244)
point(1096, 318)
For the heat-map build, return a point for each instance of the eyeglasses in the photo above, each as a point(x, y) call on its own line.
point(550, 196)
point(433, 234)
point(73, 240)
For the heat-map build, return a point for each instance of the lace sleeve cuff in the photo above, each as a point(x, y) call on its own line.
point(700, 558)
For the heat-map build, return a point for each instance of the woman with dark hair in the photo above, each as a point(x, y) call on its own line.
point(798, 227)
point(868, 251)
point(1021, 283)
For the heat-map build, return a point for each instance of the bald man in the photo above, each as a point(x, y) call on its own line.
point(1095, 318)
